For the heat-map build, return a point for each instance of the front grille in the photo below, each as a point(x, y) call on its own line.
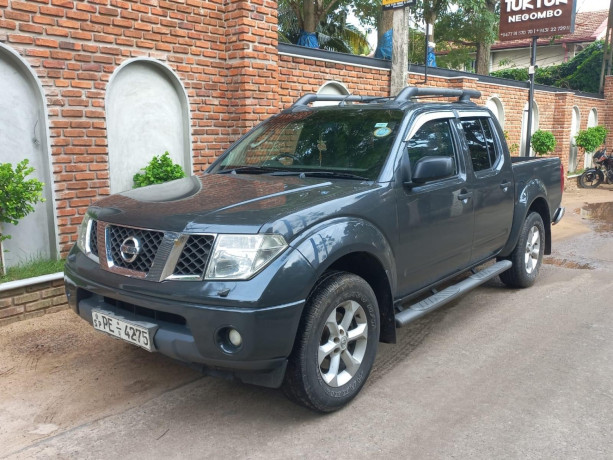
point(134, 312)
point(149, 243)
point(195, 256)
point(93, 238)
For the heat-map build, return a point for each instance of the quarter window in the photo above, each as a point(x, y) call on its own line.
point(481, 144)
point(432, 139)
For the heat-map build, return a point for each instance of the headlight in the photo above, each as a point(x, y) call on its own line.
point(83, 233)
point(239, 257)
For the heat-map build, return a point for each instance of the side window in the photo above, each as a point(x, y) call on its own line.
point(432, 139)
point(492, 151)
point(481, 144)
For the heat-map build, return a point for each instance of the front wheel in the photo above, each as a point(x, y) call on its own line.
point(527, 256)
point(336, 344)
point(591, 178)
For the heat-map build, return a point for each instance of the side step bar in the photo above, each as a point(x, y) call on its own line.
point(451, 293)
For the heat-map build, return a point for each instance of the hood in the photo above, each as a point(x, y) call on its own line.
point(229, 203)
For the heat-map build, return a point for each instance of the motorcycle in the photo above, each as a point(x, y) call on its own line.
point(602, 171)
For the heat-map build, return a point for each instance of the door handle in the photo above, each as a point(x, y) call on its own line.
point(505, 185)
point(465, 196)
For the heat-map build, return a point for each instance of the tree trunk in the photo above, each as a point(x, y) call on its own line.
point(482, 66)
point(309, 16)
point(386, 23)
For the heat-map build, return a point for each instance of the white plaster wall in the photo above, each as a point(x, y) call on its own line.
point(146, 116)
point(524, 124)
point(332, 87)
point(23, 135)
point(520, 58)
point(495, 105)
point(574, 130)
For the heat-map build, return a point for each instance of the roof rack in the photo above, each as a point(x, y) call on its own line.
point(311, 97)
point(406, 95)
point(463, 95)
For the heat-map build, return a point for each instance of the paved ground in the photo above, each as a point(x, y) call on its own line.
point(499, 373)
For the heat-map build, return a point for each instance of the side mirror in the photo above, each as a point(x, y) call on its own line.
point(432, 168)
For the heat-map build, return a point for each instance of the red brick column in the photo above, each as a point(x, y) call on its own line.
point(562, 120)
point(252, 62)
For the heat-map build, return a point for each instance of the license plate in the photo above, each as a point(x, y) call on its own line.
point(138, 334)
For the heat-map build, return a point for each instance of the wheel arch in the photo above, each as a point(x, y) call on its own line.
point(522, 209)
point(355, 246)
point(541, 207)
point(370, 269)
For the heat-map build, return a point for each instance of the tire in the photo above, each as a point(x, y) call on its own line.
point(336, 344)
point(527, 256)
point(590, 179)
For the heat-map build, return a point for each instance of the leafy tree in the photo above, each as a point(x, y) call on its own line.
point(472, 27)
point(18, 197)
point(429, 11)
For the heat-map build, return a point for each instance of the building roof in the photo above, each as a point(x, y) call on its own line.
point(589, 27)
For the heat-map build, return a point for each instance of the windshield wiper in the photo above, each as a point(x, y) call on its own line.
point(333, 174)
point(247, 170)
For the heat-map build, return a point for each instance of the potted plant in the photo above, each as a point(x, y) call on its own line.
point(543, 142)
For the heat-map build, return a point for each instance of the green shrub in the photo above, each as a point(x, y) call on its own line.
point(580, 73)
point(592, 138)
point(160, 169)
point(18, 197)
point(543, 142)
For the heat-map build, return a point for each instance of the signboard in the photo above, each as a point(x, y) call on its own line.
point(391, 4)
point(521, 19)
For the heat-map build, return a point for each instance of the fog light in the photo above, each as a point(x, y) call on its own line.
point(235, 338)
point(229, 340)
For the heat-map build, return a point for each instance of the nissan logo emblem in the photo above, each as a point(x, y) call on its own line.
point(130, 249)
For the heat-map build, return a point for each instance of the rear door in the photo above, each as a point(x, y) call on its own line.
point(435, 219)
point(492, 183)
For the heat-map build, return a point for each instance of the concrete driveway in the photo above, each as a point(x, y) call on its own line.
point(499, 373)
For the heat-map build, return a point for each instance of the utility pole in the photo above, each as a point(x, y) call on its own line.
point(532, 73)
point(400, 51)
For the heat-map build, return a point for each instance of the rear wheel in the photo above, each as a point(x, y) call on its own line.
point(590, 179)
point(336, 344)
point(527, 256)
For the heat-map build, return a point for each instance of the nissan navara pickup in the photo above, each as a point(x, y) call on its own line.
point(313, 237)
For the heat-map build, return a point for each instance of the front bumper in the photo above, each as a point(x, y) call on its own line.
point(190, 331)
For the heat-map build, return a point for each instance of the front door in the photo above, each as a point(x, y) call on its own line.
point(435, 219)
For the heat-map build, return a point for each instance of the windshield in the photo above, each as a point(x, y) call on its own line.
point(354, 143)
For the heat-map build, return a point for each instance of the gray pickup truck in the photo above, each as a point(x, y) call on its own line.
point(314, 237)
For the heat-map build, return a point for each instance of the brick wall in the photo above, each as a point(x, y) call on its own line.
point(224, 53)
point(31, 301)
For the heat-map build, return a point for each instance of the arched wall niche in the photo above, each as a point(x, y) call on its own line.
point(147, 114)
point(24, 134)
point(334, 88)
point(494, 103)
point(524, 123)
